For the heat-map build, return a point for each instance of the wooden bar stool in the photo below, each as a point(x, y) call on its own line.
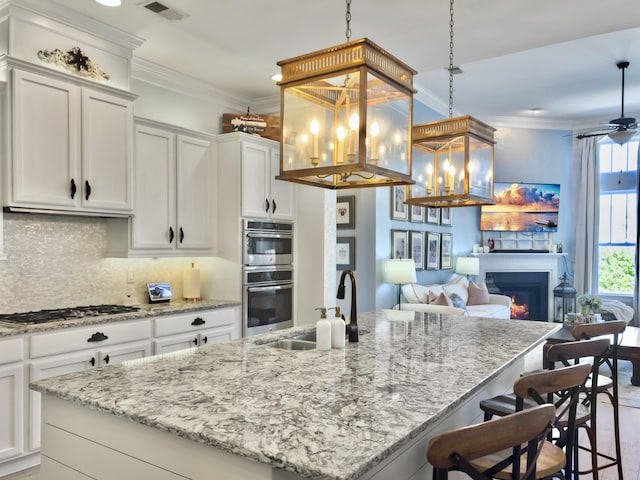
point(494, 449)
point(603, 385)
point(565, 397)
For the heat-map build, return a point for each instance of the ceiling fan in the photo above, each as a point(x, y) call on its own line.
point(621, 129)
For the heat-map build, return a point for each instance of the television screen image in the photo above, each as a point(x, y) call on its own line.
point(522, 207)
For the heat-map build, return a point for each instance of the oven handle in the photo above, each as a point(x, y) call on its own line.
point(269, 235)
point(287, 286)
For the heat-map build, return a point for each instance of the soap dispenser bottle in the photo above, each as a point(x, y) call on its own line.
point(338, 330)
point(323, 331)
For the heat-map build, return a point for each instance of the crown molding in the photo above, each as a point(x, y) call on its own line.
point(154, 74)
point(49, 15)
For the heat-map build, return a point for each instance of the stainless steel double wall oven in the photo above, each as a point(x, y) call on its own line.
point(267, 276)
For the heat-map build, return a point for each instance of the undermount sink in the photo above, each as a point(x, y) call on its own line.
point(309, 336)
point(293, 344)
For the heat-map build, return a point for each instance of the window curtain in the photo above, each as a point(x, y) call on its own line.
point(585, 246)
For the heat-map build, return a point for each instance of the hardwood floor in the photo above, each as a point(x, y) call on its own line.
point(629, 427)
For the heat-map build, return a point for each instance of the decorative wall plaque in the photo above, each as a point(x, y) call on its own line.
point(74, 60)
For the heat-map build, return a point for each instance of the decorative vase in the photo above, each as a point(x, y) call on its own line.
point(585, 310)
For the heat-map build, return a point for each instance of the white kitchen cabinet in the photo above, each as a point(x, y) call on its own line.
point(78, 349)
point(72, 147)
point(262, 195)
point(11, 398)
point(175, 194)
point(178, 332)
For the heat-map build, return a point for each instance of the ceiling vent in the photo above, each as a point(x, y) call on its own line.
point(164, 10)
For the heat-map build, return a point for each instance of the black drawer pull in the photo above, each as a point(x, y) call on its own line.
point(181, 235)
point(195, 341)
point(97, 337)
point(92, 361)
point(106, 359)
point(74, 189)
point(87, 189)
point(171, 234)
point(198, 321)
point(204, 339)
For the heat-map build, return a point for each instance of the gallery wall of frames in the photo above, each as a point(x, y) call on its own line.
point(430, 249)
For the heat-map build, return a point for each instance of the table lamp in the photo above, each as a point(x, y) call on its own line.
point(400, 271)
point(468, 266)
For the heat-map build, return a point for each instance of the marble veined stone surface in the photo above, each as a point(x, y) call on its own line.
point(322, 414)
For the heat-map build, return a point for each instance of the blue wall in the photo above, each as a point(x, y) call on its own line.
point(521, 155)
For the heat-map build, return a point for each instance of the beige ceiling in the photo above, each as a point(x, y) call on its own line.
point(555, 55)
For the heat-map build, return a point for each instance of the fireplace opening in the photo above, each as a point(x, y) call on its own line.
point(529, 292)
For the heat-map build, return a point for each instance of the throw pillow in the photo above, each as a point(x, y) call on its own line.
point(478, 294)
point(457, 301)
point(459, 289)
point(441, 299)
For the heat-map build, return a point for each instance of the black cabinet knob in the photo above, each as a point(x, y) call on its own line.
point(181, 235)
point(73, 189)
point(266, 208)
point(87, 189)
point(171, 235)
point(273, 206)
point(106, 359)
point(204, 340)
point(92, 361)
point(195, 341)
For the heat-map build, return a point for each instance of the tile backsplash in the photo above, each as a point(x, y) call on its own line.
point(56, 261)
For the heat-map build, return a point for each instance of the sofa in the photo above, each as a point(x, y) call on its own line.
point(458, 297)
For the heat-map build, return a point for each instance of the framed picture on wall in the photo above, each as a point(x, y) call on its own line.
point(446, 261)
point(446, 214)
point(346, 253)
point(416, 245)
point(346, 212)
point(399, 244)
point(416, 214)
point(433, 251)
point(433, 215)
point(399, 210)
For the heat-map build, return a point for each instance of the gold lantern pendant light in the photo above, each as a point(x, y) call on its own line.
point(453, 158)
point(346, 115)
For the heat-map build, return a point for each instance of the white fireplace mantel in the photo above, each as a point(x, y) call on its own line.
point(523, 262)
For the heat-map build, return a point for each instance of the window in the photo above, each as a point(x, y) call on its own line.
point(617, 240)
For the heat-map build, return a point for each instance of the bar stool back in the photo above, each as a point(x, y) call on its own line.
point(600, 384)
point(484, 450)
point(561, 388)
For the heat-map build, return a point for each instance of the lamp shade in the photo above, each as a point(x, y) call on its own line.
point(468, 265)
point(400, 271)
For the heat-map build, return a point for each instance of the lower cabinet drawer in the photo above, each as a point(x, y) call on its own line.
point(11, 350)
point(96, 336)
point(193, 322)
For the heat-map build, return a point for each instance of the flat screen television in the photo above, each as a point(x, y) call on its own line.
point(522, 207)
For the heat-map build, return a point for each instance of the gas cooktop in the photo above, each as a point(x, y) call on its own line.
point(55, 315)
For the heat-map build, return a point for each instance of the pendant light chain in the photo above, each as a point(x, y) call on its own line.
point(348, 19)
point(451, 59)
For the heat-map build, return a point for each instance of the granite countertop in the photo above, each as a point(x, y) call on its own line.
point(299, 410)
point(172, 308)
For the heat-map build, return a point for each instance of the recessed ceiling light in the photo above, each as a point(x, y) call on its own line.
point(110, 3)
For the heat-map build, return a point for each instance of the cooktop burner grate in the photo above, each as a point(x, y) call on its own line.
point(55, 315)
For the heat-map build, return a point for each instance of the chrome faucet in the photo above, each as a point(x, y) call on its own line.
point(352, 328)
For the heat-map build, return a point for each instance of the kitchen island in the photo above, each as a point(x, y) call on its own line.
point(243, 409)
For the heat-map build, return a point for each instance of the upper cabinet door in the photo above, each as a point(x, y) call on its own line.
point(153, 226)
point(196, 217)
point(256, 195)
point(282, 203)
point(46, 146)
point(107, 126)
